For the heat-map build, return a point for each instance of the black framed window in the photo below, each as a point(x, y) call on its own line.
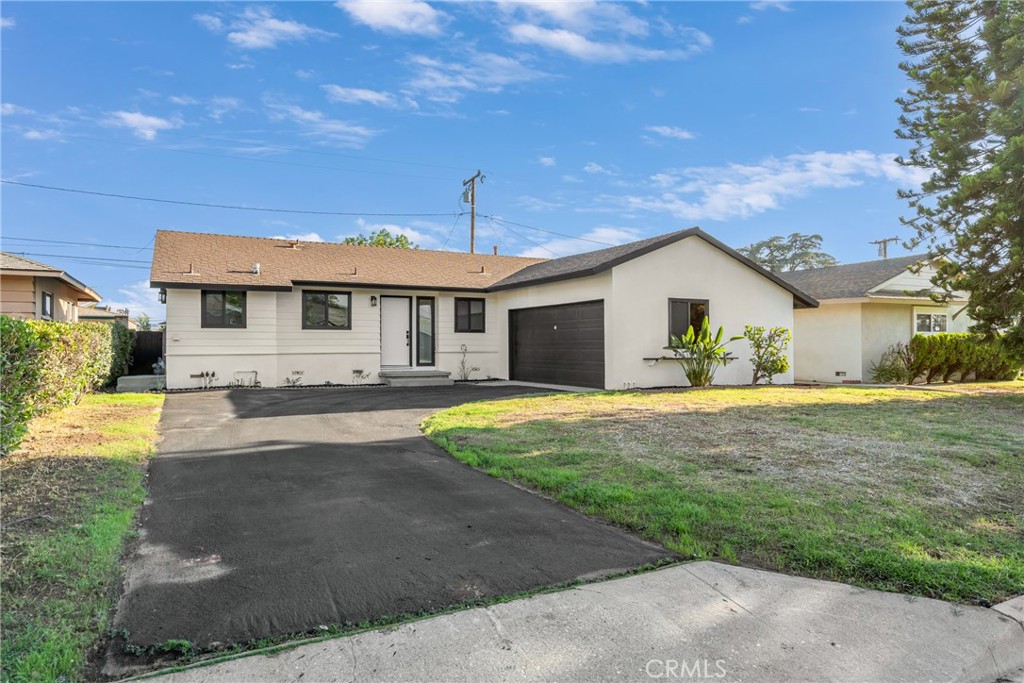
point(682, 313)
point(223, 309)
point(469, 315)
point(326, 310)
point(425, 327)
point(47, 311)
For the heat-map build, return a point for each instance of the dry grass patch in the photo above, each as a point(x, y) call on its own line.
point(908, 490)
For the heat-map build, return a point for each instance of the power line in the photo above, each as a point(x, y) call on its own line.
point(522, 236)
point(80, 256)
point(550, 232)
point(221, 206)
point(86, 260)
point(451, 231)
point(277, 162)
point(5, 238)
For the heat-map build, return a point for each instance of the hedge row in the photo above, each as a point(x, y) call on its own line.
point(47, 365)
point(945, 357)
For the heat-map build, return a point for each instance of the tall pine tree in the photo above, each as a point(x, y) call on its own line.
point(965, 117)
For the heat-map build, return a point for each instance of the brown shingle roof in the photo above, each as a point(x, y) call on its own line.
point(183, 259)
point(19, 265)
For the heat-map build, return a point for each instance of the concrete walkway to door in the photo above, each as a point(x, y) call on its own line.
point(276, 512)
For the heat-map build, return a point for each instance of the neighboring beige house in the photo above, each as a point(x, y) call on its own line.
point(246, 309)
point(105, 314)
point(29, 289)
point(865, 308)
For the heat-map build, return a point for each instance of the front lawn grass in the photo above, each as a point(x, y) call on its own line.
point(913, 491)
point(69, 497)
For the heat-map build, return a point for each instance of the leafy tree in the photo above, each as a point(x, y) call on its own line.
point(381, 238)
point(143, 322)
point(796, 252)
point(769, 348)
point(964, 114)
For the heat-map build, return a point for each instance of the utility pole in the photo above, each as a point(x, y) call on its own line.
point(470, 190)
point(883, 246)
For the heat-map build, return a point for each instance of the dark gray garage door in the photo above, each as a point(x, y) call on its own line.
point(559, 344)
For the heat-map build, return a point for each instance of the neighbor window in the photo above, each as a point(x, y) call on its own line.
point(682, 313)
point(223, 309)
point(469, 315)
point(326, 311)
point(930, 323)
point(47, 311)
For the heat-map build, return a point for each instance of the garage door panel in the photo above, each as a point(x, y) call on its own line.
point(559, 344)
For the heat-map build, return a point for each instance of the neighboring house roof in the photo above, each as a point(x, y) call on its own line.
point(12, 264)
point(194, 260)
point(852, 280)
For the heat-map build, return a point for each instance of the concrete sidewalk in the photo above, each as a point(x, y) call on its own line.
point(730, 623)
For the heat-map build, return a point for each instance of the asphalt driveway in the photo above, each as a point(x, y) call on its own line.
point(276, 512)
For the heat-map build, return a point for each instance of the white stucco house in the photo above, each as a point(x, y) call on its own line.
point(242, 310)
point(865, 308)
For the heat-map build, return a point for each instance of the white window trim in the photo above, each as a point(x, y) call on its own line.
point(42, 305)
point(928, 310)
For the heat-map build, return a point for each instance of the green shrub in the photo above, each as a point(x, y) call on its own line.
point(122, 343)
point(769, 347)
point(49, 365)
point(896, 366)
point(700, 353)
point(946, 356)
point(19, 380)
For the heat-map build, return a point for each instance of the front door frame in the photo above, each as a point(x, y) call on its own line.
point(408, 300)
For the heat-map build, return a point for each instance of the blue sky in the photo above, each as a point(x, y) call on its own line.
point(605, 121)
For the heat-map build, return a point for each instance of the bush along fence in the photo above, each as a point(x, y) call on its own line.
point(47, 365)
point(946, 357)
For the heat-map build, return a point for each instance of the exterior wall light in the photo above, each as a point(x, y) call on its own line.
point(373, 301)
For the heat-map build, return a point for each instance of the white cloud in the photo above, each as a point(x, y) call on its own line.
point(744, 19)
point(45, 134)
point(8, 109)
point(319, 125)
point(142, 125)
point(564, 246)
point(442, 81)
point(585, 49)
point(182, 100)
point(7, 22)
point(741, 191)
point(238, 66)
point(304, 74)
point(780, 5)
point(139, 297)
point(219, 107)
point(594, 168)
point(396, 16)
point(378, 98)
point(568, 178)
point(257, 28)
point(546, 161)
point(536, 204)
point(301, 236)
point(671, 132)
point(583, 16)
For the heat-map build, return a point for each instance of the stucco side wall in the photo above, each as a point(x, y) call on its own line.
point(638, 327)
point(885, 324)
point(827, 340)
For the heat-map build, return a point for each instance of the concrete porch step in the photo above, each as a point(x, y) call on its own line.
point(416, 378)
